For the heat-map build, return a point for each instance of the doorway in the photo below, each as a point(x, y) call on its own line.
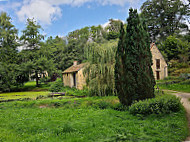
point(74, 79)
point(157, 75)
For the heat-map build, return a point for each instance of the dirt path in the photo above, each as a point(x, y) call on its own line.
point(186, 103)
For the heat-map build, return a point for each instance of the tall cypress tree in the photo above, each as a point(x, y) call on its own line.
point(119, 59)
point(138, 79)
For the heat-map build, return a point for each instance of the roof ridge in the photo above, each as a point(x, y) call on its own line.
point(74, 68)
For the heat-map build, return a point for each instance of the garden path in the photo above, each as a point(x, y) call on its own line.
point(186, 103)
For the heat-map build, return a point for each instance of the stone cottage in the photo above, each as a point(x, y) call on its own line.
point(159, 67)
point(73, 76)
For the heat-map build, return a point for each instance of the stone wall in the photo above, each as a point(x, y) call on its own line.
point(163, 71)
point(67, 79)
point(80, 79)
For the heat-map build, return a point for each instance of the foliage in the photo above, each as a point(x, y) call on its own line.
point(8, 37)
point(113, 29)
point(44, 79)
point(31, 35)
point(12, 74)
point(37, 62)
point(70, 120)
point(56, 86)
point(176, 49)
point(164, 104)
point(119, 67)
point(165, 17)
point(75, 92)
point(99, 71)
point(136, 73)
point(55, 49)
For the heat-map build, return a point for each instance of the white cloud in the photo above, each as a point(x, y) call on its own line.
point(108, 23)
point(40, 10)
point(46, 11)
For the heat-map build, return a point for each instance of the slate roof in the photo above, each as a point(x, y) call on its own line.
point(75, 68)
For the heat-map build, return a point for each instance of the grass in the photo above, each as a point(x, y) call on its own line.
point(29, 90)
point(31, 86)
point(182, 86)
point(84, 119)
point(64, 118)
point(21, 95)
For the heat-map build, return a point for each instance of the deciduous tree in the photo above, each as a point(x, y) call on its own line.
point(165, 17)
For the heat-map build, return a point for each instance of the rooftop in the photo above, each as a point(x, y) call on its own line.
point(74, 68)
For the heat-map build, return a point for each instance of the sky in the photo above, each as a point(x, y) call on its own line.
point(59, 17)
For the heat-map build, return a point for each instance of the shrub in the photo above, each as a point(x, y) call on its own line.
point(185, 75)
point(75, 92)
point(56, 86)
point(160, 105)
point(103, 105)
point(119, 107)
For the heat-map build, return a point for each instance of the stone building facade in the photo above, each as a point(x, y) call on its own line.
point(159, 67)
point(73, 76)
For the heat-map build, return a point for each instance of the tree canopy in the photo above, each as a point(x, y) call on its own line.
point(165, 17)
point(12, 74)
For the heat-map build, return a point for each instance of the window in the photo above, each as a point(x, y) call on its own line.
point(67, 74)
point(157, 63)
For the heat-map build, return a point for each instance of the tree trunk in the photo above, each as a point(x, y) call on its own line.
point(36, 76)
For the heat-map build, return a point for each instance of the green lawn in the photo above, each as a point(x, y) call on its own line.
point(82, 120)
point(29, 90)
point(183, 86)
point(31, 86)
point(22, 95)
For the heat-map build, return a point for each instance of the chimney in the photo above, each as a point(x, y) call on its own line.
point(75, 63)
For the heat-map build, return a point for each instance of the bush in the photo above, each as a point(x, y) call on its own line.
point(160, 105)
point(185, 75)
point(103, 105)
point(56, 86)
point(186, 82)
point(119, 107)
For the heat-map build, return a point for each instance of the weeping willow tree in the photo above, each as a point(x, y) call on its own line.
point(99, 71)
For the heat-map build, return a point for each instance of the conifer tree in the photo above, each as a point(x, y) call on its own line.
point(137, 72)
point(32, 39)
point(119, 59)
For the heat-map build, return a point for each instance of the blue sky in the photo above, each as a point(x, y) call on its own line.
point(59, 17)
